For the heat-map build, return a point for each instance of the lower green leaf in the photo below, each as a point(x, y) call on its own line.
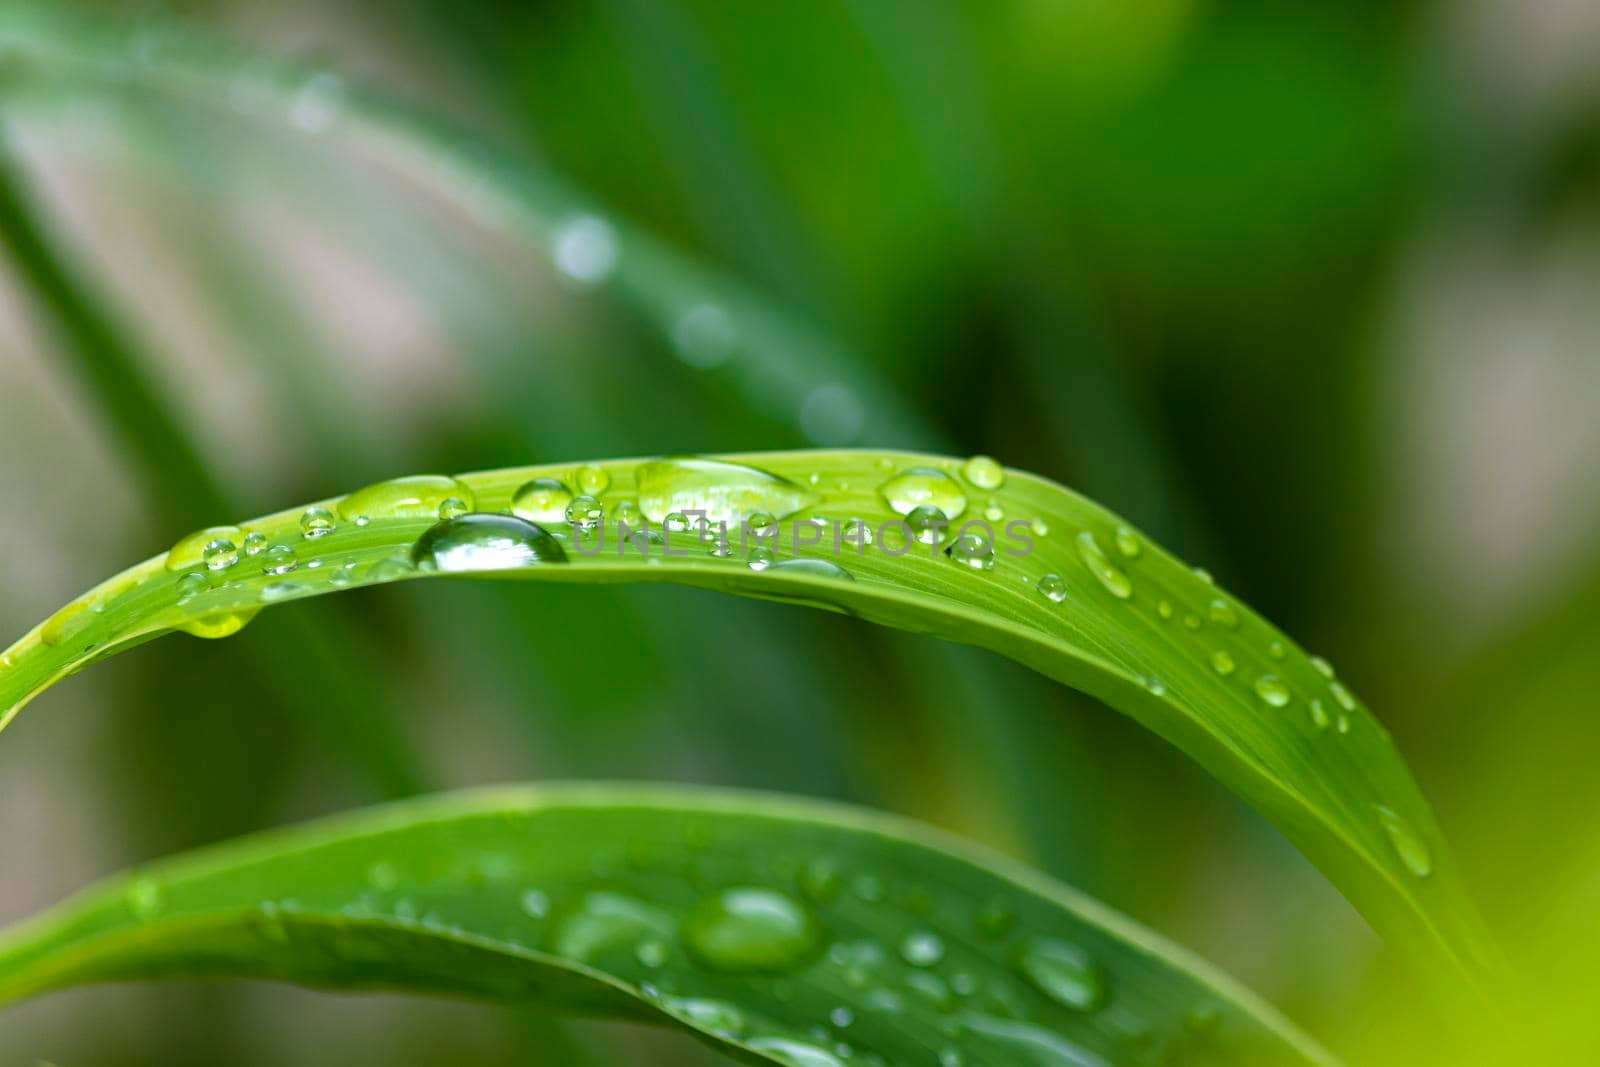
point(780, 931)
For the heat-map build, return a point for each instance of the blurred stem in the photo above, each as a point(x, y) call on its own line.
point(106, 361)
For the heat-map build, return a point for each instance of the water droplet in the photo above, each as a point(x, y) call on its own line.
point(535, 904)
point(1343, 696)
point(705, 336)
point(918, 487)
point(820, 881)
point(592, 480)
point(984, 472)
point(1110, 576)
point(274, 591)
point(795, 1053)
point(1343, 724)
point(973, 549)
point(857, 532)
point(586, 249)
point(452, 507)
point(585, 513)
point(485, 543)
point(993, 512)
point(748, 929)
point(1204, 576)
point(279, 560)
point(762, 524)
point(713, 1015)
point(1224, 614)
point(541, 500)
point(344, 575)
point(220, 554)
point(841, 1018)
point(190, 586)
point(927, 524)
point(724, 492)
point(219, 624)
point(608, 922)
point(415, 497)
point(1154, 685)
point(816, 568)
point(66, 624)
point(1164, 609)
point(316, 522)
point(1222, 663)
point(1323, 667)
point(1319, 715)
point(1063, 972)
point(922, 948)
point(255, 542)
point(760, 559)
point(1277, 650)
point(1407, 843)
point(1053, 587)
point(1128, 542)
point(1270, 688)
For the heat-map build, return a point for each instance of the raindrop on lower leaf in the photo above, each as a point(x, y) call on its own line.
point(1063, 972)
point(750, 929)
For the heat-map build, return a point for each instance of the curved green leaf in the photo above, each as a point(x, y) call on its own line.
point(1069, 590)
point(764, 925)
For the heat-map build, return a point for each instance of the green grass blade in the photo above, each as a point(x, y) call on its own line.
point(763, 925)
point(1094, 605)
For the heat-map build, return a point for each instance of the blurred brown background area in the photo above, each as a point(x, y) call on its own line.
point(1310, 295)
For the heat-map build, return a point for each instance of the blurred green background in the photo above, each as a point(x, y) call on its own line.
point(1310, 292)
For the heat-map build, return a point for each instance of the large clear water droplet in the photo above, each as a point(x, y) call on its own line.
point(415, 497)
point(1407, 843)
point(1272, 690)
point(927, 524)
point(973, 549)
point(1110, 575)
point(190, 550)
point(816, 568)
point(924, 487)
point(1053, 587)
point(316, 522)
point(219, 624)
point(724, 492)
point(541, 500)
point(485, 543)
point(751, 930)
point(984, 472)
point(1063, 972)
